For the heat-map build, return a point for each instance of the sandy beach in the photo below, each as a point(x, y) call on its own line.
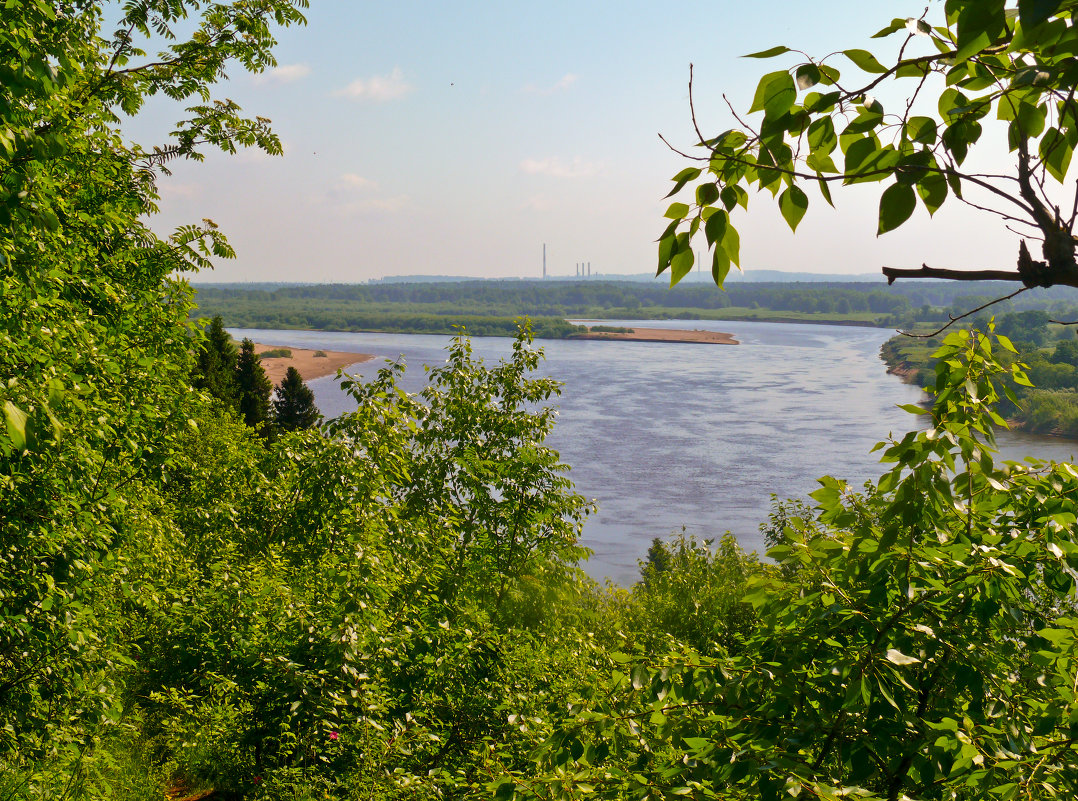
point(309, 365)
point(665, 335)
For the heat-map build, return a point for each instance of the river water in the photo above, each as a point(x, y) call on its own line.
point(670, 435)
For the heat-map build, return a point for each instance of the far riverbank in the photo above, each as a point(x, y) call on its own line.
point(663, 335)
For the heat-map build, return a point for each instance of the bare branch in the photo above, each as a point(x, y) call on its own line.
point(954, 319)
point(951, 275)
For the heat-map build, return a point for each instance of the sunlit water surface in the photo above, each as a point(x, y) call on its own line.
point(666, 435)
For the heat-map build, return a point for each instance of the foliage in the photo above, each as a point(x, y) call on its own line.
point(253, 386)
point(925, 646)
point(216, 363)
point(293, 404)
point(1049, 406)
point(94, 353)
point(692, 593)
point(984, 59)
point(280, 353)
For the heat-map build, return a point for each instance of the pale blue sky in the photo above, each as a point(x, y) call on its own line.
point(457, 138)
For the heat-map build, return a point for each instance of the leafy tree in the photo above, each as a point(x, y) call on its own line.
point(293, 406)
point(217, 362)
point(986, 60)
point(94, 349)
point(253, 387)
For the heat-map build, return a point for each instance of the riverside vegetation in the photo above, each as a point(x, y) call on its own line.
point(388, 605)
point(1050, 352)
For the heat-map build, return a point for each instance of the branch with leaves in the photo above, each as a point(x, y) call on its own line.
point(988, 59)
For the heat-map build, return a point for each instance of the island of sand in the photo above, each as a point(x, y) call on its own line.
point(309, 365)
point(664, 335)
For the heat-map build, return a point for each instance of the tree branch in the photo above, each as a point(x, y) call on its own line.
point(925, 271)
point(954, 319)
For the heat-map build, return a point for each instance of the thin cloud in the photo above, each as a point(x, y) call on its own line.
point(352, 195)
point(379, 88)
point(566, 81)
point(556, 167)
point(352, 181)
point(285, 73)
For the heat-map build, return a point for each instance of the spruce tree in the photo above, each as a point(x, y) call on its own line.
point(293, 405)
point(215, 368)
point(253, 385)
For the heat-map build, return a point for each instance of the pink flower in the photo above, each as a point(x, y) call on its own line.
point(333, 735)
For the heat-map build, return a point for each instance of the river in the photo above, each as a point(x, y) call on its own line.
point(669, 435)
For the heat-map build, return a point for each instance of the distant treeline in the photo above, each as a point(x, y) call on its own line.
point(489, 307)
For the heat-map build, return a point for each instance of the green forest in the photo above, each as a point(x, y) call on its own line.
point(490, 307)
point(201, 597)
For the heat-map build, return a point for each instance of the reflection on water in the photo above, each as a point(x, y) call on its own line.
point(665, 435)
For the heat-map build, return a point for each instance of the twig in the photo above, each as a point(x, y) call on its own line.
point(954, 319)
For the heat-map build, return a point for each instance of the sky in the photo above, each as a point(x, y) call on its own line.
point(458, 138)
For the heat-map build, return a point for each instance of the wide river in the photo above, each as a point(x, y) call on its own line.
point(668, 435)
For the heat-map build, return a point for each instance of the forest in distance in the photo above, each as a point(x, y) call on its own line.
point(203, 601)
point(490, 307)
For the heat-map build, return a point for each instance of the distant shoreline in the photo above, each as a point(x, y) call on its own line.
point(308, 365)
point(694, 336)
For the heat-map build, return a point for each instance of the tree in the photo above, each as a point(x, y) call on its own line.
point(987, 59)
point(217, 363)
point(293, 406)
point(94, 344)
point(253, 387)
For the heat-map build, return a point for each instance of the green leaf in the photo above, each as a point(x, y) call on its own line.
point(769, 53)
point(808, 75)
point(683, 177)
point(921, 129)
point(775, 94)
point(16, 424)
point(715, 227)
point(720, 266)
point(1033, 12)
point(898, 658)
point(793, 203)
point(933, 191)
point(706, 194)
point(822, 137)
point(979, 25)
point(865, 60)
point(677, 211)
point(896, 205)
point(681, 265)
point(825, 190)
point(897, 24)
point(1056, 151)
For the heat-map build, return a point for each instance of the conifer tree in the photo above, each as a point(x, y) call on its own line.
point(215, 370)
point(253, 385)
point(293, 405)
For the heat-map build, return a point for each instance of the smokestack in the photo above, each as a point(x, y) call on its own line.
point(544, 260)
point(589, 269)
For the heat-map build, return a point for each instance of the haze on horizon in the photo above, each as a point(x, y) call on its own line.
point(425, 138)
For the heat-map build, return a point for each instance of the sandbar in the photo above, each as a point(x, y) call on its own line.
point(665, 335)
point(308, 365)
